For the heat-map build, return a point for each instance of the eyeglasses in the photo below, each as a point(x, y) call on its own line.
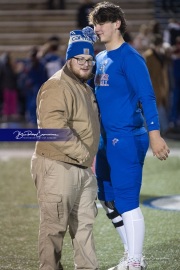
point(82, 61)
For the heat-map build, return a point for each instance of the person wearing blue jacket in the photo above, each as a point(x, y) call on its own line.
point(129, 121)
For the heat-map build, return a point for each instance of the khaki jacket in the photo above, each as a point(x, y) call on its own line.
point(64, 102)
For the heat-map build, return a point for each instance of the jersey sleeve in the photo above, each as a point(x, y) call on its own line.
point(139, 81)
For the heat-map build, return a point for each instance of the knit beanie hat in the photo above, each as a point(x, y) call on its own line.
point(81, 42)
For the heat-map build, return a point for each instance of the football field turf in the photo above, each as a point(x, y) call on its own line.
point(19, 220)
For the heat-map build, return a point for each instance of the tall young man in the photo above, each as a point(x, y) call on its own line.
point(123, 91)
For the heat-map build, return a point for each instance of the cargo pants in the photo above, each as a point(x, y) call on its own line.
point(66, 196)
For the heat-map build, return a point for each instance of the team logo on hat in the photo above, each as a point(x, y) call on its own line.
point(78, 38)
point(86, 51)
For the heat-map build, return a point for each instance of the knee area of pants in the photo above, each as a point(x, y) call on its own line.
point(124, 207)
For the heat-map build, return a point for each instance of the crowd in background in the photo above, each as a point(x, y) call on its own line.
point(161, 50)
point(20, 80)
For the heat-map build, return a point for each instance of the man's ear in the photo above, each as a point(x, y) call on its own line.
point(68, 62)
point(118, 24)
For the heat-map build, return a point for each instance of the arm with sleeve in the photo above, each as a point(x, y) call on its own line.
point(139, 79)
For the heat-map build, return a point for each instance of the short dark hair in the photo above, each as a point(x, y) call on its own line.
point(157, 39)
point(53, 42)
point(108, 12)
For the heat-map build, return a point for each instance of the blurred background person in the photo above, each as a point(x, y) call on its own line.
point(154, 28)
point(35, 76)
point(50, 56)
point(128, 37)
point(172, 31)
point(175, 107)
point(141, 40)
point(157, 63)
point(9, 89)
point(83, 12)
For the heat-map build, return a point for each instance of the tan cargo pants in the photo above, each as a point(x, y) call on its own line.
point(66, 196)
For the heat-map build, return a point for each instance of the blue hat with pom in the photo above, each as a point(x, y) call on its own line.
point(81, 42)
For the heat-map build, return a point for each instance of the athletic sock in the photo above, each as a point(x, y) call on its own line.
point(135, 229)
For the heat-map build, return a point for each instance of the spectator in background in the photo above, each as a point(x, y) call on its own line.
point(128, 35)
point(9, 90)
point(36, 75)
point(175, 108)
point(21, 79)
point(157, 63)
point(83, 12)
point(172, 32)
point(141, 40)
point(60, 4)
point(154, 28)
point(50, 57)
point(1, 91)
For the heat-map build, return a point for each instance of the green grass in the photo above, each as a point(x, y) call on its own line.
point(19, 220)
point(17, 145)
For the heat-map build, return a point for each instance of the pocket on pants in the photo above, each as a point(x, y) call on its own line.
point(52, 207)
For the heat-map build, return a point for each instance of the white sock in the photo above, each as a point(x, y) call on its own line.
point(135, 229)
